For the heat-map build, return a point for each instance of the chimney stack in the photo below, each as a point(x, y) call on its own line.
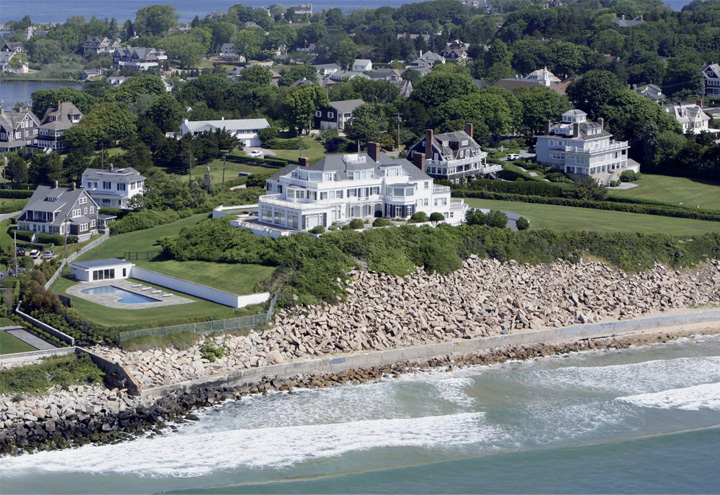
point(111, 167)
point(469, 129)
point(55, 185)
point(548, 124)
point(419, 160)
point(304, 162)
point(601, 121)
point(73, 186)
point(429, 135)
point(699, 103)
point(576, 129)
point(373, 151)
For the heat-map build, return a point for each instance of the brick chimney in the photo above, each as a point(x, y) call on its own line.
point(601, 121)
point(429, 135)
point(373, 151)
point(73, 186)
point(546, 129)
point(304, 162)
point(469, 129)
point(419, 160)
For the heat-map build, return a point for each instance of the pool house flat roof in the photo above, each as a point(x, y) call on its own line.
point(86, 265)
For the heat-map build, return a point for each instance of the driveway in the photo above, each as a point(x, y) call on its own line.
point(5, 216)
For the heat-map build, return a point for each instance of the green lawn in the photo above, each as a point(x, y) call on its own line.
point(11, 345)
point(668, 189)
point(311, 149)
point(238, 279)
point(6, 322)
point(567, 218)
point(201, 309)
point(231, 170)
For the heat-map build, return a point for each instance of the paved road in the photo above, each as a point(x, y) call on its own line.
point(5, 216)
point(30, 339)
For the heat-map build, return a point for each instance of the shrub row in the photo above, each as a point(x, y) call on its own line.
point(13, 206)
point(271, 162)
point(146, 219)
point(15, 193)
point(58, 240)
point(529, 187)
point(629, 207)
point(22, 235)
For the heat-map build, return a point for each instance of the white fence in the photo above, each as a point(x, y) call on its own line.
point(74, 256)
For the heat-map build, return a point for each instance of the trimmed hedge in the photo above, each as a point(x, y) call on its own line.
point(22, 235)
point(627, 207)
point(270, 162)
point(13, 206)
point(15, 193)
point(146, 219)
point(529, 187)
point(56, 239)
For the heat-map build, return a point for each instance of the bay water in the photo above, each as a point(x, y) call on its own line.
point(639, 420)
point(43, 11)
point(12, 91)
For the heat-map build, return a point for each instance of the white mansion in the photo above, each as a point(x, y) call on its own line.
point(114, 187)
point(580, 147)
point(339, 188)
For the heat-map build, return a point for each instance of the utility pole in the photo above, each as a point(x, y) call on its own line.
point(16, 267)
point(224, 158)
point(398, 131)
point(67, 227)
point(102, 158)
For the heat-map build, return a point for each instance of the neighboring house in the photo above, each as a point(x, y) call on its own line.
point(13, 46)
point(521, 82)
point(60, 211)
point(138, 58)
point(583, 148)
point(339, 188)
point(711, 72)
point(451, 156)
point(88, 74)
point(327, 69)
point(18, 128)
point(404, 86)
point(55, 123)
point(116, 80)
point(246, 130)
point(346, 75)
point(302, 9)
point(626, 23)
point(362, 65)
point(15, 67)
point(650, 91)
point(691, 117)
point(98, 44)
point(385, 75)
point(114, 187)
point(228, 52)
point(425, 62)
point(456, 50)
point(543, 76)
point(336, 114)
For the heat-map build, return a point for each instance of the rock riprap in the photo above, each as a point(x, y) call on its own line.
point(485, 297)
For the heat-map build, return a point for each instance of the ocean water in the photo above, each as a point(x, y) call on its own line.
point(642, 420)
point(12, 92)
point(43, 11)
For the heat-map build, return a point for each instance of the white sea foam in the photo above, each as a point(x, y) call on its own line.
point(643, 377)
point(454, 390)
point(187, 454)
point(694, 398)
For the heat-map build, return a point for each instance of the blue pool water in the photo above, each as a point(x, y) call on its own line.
point(125, 296)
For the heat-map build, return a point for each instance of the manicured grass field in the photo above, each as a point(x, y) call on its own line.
point(231, 170)
point(11, 345)
point(6, 322)
point(668, 189)
point(311, 149)
point(238, 279)
point(567, 218)
point(201, 309)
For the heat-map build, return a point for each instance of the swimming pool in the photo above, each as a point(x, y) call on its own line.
point(124, 296)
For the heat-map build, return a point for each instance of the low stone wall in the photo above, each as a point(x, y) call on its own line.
point(198, 290)
point(31, 357)
point(117, 375)
point(367, 360)
point(45, 327)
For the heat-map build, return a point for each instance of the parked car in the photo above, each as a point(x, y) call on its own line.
point(513, 156)
point(34, 253)
point(255, 153)
point(48, 254)
point(20, 252)
point(244, 174)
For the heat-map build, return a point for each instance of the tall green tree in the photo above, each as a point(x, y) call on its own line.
point(593, 90)
point(155, 20)
point(365, 125)
point(44, 169)
point(16, 169)
point(300, 104)
point(438, 87)
point(166, 113)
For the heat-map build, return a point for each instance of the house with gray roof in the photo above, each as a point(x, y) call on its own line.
point(362, 65)
point(628, 23)
point(57, 120)
point(114, 187)
point(691, 117)
point(60, 211)
point(582, 148)
point(711, 73)
point(452, 156)
point(229, 52)
point(340, 188)
point(138, 58)
point(650, 91)
point(98, 44)
point(336, 114)
point(246, 130)
point(18, 128)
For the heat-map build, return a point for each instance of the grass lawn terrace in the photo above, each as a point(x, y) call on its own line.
point(11, 345)
point(231, 170)
point(663, 188)
point(553, 217)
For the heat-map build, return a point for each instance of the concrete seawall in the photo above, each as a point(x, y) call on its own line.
point(379, 358)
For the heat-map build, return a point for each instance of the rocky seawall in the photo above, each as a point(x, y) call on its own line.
point(484, 298)
point(381, 312)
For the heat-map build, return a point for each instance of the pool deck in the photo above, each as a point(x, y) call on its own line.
point(164, 297)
